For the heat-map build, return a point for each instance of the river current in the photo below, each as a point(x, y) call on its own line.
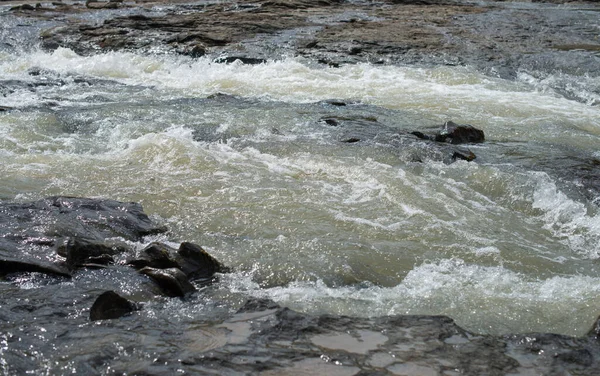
point(238, 158)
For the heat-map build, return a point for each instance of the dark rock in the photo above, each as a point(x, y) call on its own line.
point(335, 102)
point(331, 121)
point(465, 156)
point(351, 140)
point(23, 7)
point(196, 263)
point(459, 134)
point(421, 135)
point(172, 281)
point(242, 59)
point(5, 108)
point(190, 258)
point(155, 255)
point(258, 305)
point(110, 305)
point(31, 233)
point(35, 266)
point(195, 51)
point(453, 133)
point(80, 251)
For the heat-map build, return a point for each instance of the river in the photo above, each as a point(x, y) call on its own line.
point(238, 158)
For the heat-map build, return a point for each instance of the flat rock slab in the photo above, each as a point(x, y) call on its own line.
point(31, 233)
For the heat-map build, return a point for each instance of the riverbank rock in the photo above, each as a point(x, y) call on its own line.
point(110, 305)
point(190, 258)
point(172, 281)
point(32, 232)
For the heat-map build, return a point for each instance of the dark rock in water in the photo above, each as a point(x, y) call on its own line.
point(156, 255)
point(459, 134)
point(453, 133)
point(242, 59)
point(196, 263)
point(31, 232)
point(80, 251)
point(111, 305)
point(465, 156)
point(172, 281)
point(190, 258)
point(335, 102)
point(331, 121)
point(351, 140)
point(23, 7)
point(195, 51)
point(5, 108)
point(36, 266)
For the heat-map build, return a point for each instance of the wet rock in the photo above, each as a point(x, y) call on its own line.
point(156, 255)
point(79, 251)
point(459, 134)
point(9, 266)
point(110, 305)
point(194, 51)
point(23, 7)
point(595, 330)
point(242, 59)
point(190, 258)
point(463, 155)
point(196, 263)
point(32, 232)
point(454, 134)
point(172, 281)
point(331, 121)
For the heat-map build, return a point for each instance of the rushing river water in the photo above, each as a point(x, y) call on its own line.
point(505, 244)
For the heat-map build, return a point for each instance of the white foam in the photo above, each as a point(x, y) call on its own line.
point(567, 219)
point(483, 299)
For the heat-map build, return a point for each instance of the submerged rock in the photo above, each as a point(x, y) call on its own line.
point(111, 305)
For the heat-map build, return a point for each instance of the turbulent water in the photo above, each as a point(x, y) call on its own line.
point(238, 158)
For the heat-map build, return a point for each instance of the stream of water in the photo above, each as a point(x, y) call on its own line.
point(238, 158)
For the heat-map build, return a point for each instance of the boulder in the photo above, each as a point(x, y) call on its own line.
point(453, 133)
point(172, 281)
point(190, 258)
point(110, 305)
point(81, 252)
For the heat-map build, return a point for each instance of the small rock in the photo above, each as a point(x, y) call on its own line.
point(196, 263)
point(81, 251)
point(459, 134)
point(111, 305)
point(242, 59)
point(453, 133)
point(465, 156)
point(172, 281)
point(156, 255)
point(331, 121)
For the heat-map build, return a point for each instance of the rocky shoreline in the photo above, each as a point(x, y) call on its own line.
point(497, 38)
